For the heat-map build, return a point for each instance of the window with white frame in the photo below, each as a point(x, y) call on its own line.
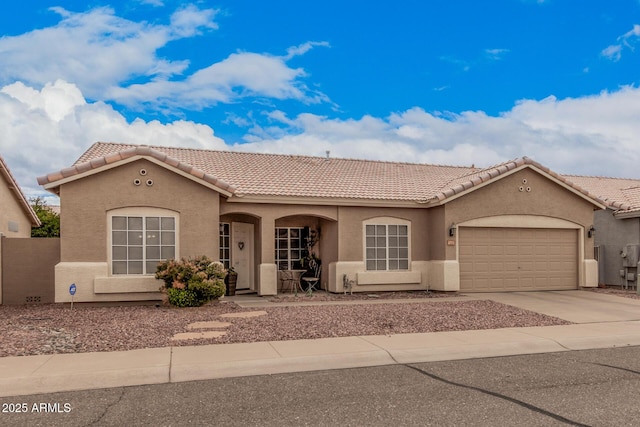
point(387, 246)
point(139, 243)
point(225, 244)
point(290, 248)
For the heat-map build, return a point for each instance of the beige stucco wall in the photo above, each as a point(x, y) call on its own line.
point(84, 229)
point(434, 252)
point(503, 197)
point(85, 203)
point(542, 203)
point(351, 239)
point(350, 255)
point(12, 211)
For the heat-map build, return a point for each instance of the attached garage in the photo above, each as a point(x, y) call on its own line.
point(494, 259)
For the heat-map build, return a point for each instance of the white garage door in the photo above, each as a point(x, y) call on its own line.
point(517, 259)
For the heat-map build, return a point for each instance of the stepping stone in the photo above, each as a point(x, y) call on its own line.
point(245, 314)
point(214, 324)
point(197, 335)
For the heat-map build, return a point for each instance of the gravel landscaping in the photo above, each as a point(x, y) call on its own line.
point(50, 329)
point(617, 291)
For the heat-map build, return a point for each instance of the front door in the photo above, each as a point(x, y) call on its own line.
point(242, 253)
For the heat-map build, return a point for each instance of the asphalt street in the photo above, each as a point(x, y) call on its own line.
point(591, 387)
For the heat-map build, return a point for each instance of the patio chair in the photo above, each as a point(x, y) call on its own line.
point(312, 281)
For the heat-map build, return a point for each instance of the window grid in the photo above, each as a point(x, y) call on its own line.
point(225, 244)
point(289, 247)
point(138, 243)
point(387, 247)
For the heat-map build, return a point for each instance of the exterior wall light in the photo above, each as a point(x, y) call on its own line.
point(452, 230)
point(591, 232)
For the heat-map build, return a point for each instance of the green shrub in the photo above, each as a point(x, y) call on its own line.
point(191, 282)
point(207, 289)
point(182, 297)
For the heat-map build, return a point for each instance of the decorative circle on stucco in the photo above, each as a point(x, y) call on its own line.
point(524, 181)
point(528, 189)
point(137, 182)
point(143, 172)
point(521, 188)
point(149, 182)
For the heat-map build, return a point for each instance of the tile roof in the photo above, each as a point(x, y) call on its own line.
point(13, 186)
point(620, 194)
point(481, 176)
point(256, 174)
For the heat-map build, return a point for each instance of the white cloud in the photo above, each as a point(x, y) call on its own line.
point(46, 129)
point(303, 48)
point(100, 52)
point(242, 74)
point(593, 135)
point(156, 3)
point(613, 52)
point(188, 21)
point(94, 50)
point(496, 54)
point(628, 40)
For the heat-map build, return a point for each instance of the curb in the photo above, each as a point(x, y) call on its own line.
point(82, 371)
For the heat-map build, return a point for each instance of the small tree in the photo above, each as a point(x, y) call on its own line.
point(50, 220)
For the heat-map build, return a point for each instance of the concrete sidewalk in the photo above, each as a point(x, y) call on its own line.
point(66, 372)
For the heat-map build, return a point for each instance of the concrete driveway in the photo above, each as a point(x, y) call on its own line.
point(574, 306)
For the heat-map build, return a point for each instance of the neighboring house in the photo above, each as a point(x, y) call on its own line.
point(381, 225)
point(617, 229)
point(16, 214)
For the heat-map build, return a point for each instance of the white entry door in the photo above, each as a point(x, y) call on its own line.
point(242, 253)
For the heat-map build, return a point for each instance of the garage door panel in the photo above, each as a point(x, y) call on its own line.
point(496, 250)
point(526, 250)
point(512, 259)
point(481, 249)
point(511, 249)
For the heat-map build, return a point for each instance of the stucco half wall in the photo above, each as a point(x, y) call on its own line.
point(93, 284)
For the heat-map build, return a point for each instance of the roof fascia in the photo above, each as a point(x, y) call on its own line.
point(626, 215)
point(15, 189)
point(53, 185)
point(325, 201)
point(517, 169)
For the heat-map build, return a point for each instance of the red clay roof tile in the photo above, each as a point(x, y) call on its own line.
point(259, 174)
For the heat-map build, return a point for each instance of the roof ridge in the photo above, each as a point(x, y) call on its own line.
point(160, 147)
point(600, 176)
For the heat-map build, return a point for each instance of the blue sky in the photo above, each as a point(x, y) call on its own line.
point(455, 82)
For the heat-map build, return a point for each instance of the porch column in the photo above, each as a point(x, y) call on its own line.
point(268, 279)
